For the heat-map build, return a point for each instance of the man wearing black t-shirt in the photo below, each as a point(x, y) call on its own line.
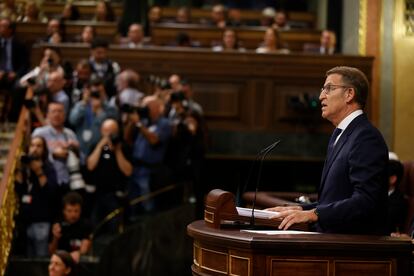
point(72, 233)
point(110, 166)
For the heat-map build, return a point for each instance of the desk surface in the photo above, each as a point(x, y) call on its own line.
point(199, 230)
point(233, 252)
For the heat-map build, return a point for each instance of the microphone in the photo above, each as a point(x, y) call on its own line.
point(263, 153)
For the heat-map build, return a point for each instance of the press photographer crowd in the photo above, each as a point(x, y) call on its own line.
point(98, 146)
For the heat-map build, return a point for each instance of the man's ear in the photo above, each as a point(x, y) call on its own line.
point(350, 94)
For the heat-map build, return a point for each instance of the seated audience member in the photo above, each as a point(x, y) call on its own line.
point(104, 12)
point(175, 82)
point(55, 32)
point(230, 42)
point(281, 21)
point(62, 264)
point(71, 233)
point(327, 45)
point(62, 143)
point(267, 18)
point(127, 89)
point(80, 77)
point(88, 35)
point(183, 15)
point(109, 164)
point(183, 40)
point(135, 38)
point(36, 188)
point(270, 43)
point(70, 12)
point(397, 204)
point(14, 62)
point(50, 62)
point(9, 9)
point(218, 16)
point(235, 18)
point(154, 17)
point(31, 13)
point(151, 133)
point(87, 116)
point(102, 66)
point(55, 84)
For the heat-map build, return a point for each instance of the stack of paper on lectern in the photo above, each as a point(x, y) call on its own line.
point(247, 212)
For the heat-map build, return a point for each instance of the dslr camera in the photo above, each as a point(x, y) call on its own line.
point(143, 112)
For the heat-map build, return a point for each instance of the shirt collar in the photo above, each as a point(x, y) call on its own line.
point(348, 119)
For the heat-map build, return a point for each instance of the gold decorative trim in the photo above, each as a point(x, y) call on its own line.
point(239, 257)
point(212, 269)
point(368, 262)
point(195, 255)
point(208, 219)
point(300, 261)
point(362, 27)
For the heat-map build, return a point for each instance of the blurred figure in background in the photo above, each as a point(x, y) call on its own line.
point(104, 12)
point(230, 42)
point(62, 264)
point(36, 187)
point(183, 15)
point(135, 37)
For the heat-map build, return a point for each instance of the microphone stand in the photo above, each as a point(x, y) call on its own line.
point(263, 153)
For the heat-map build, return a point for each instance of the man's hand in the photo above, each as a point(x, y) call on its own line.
point(292, 215)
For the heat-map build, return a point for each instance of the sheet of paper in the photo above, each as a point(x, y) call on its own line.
point(278, 232)
point(247, 212)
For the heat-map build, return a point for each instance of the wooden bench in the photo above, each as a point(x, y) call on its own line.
point(250, 37)
point(306, 19)
point(30, 33)
point(86, 9)
point(238, 91)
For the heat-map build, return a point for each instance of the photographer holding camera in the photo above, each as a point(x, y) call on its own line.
point(186, 148)
point(88, 114)
point(110, 166)
point(151, 133)
point(62, 143)
point(36, 188)
point(71, 233)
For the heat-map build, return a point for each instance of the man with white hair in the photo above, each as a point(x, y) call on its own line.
point(127, 88)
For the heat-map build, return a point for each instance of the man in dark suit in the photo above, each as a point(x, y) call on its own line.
point(352, 196)
point(13, 65)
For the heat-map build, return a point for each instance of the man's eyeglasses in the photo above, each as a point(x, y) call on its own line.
point(327, 89)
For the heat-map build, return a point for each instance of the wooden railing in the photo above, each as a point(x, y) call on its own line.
point(7, 195)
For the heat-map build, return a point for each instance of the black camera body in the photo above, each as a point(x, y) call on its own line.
point(95, 94)
point(27, 158)
point(143, 112)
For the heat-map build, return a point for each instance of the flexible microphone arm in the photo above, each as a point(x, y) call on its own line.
point(263, 153)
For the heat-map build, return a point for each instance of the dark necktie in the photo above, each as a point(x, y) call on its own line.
point(331, 144)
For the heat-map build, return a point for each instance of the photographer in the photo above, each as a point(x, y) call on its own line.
point(186, 147)
point(71, 233)
point(87, 116)
point(50, 62)
point(151, 133)
point(110, 167)
point(37, 103)
point(62, 143)
point(36, 188)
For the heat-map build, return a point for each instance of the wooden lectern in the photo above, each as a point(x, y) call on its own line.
point(218, 250)
point(220, 210)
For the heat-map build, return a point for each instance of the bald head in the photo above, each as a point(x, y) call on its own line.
point(109, 127)
point(155, 106)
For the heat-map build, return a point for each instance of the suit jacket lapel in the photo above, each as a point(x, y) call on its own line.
point(337, 148)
